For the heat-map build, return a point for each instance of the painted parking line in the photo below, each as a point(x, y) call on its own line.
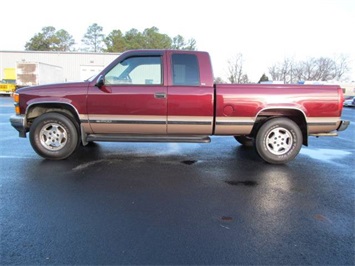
point(16, 157)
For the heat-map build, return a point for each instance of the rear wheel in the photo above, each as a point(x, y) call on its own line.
point(278, 140)
point(54, 136)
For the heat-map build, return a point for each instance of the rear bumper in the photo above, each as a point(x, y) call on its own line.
point(18, 122)
point(343, 125)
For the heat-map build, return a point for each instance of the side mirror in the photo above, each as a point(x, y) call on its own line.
point(100, 81)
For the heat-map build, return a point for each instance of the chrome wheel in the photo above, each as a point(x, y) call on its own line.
point(53, 136)
point(279, 141)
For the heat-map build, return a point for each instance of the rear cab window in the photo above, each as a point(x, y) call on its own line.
point(185, 70)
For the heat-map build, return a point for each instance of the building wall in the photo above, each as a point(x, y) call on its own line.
point(348, 88)
point(76, 66)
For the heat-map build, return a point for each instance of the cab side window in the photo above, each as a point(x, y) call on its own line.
point(185, 70)
point(136, 71)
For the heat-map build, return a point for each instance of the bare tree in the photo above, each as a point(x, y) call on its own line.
point(341, 67)
point(283, 71)
point(312, 69)
point(219, 80)
point(235, 69)
point(245, 79)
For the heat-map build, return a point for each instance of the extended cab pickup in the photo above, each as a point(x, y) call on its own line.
point(170, 96)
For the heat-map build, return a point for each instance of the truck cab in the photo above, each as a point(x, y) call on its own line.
point(153, 92)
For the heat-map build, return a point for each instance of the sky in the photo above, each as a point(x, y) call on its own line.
point(263, 31)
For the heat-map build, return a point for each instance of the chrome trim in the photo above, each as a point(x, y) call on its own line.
point(149, 138)
point(189, 123)
point(46, 102)
point(136, 122)
point(343, 125)
point(234, 123)
point(149, 121)
point(282, 107)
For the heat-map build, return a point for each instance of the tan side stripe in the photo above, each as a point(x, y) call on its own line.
point(128, 119)
point(234, 121)
point(322, 120)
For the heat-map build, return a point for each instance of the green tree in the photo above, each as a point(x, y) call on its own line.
point(190, 45)
point(155, 40)
point(50, 40)
point(65, 41)
point(150, 38)
point(134, 39)
point(93, 38)
point(179, 43)
point(115, 42)
point(263, 78)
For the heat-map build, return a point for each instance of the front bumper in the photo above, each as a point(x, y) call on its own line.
point(19, 123)
point(343, 125)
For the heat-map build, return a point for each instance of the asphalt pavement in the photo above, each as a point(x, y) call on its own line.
point(159, 204)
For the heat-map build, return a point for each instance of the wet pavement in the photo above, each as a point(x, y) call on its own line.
point(217, 203)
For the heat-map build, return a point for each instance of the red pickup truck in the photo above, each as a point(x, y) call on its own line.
point(170, 96)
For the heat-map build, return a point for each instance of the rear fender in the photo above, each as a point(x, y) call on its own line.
point(294, 114)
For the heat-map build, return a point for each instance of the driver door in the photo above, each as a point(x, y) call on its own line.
point(132, 98)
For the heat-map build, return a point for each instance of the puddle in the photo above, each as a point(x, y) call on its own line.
point(242, 183)
point(137, 159)
point(321, 218)
point(189, 162)
point(227, 218)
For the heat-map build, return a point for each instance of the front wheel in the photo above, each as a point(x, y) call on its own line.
point(278, 141)
point(54, 136)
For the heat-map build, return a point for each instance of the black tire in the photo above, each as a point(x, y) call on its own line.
point(278, 141)
point(245, 140)
point(54, 136)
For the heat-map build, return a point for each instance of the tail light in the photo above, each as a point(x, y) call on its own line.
point(341, 99)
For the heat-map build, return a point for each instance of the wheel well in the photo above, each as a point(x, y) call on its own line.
point(296, 116)
point(39, 109)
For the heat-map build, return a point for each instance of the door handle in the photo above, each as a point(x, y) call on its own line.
point(160, 95)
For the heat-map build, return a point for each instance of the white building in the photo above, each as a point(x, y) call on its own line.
point(76, 66)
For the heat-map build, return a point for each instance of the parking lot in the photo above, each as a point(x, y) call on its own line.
point(148, 203)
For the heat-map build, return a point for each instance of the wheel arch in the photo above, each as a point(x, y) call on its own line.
point(294, 114)
point(36, 109)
